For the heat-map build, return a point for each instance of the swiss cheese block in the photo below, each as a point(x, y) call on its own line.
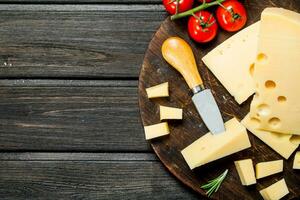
point(246, 171)
point(161, 90)
point(275, 191)
point(212, 147)
point(281, 143)
point(276, 105)
point(264, 169)
point(296, 164)
point(170, 113)
point(156, 130)
point(232, 61)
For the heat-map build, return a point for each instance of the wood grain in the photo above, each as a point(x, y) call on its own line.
point(72, 176)
point(70, 115)
point(155, 70)
point(81, 41)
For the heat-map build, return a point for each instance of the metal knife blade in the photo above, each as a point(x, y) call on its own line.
point(209, 111)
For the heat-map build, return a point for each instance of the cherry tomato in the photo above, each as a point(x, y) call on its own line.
point(184, 5)
point(231, 15)
point(202, 26)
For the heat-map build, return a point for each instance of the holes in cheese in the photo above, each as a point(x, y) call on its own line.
point(281, 143)
point(230, 62)
point(281, 99)
point(265, 169)
point(296, 164)
point(156, 130)
point(245, 171)
point(255, 121)
point(161, 90)
point(275, 191)
point(270, 84)
point(170, 113)
point(251, 69)
point(295, 139)
point(212, 147)
point(261, 57)
point(263, 109)
point(274, 122)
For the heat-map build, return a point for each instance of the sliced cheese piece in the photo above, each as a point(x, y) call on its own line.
point(161, 90)
point(246, 171)
point(170, 113)
point(277, 72)
point(212, 147)
point(281, 143)
point(264, 169)
point(232, 62)
point(275, 191)
point(156, 130)
point(296, 164)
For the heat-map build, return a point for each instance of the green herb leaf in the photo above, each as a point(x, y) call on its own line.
point(214, 184)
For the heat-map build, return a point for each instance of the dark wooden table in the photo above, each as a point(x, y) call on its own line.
point(69, 119)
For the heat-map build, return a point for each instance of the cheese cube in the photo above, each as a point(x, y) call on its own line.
point(212, 147)
point(170, 113)
point(156, 130)
point(296, 164)
point(265, 169)
point(232, 62)
point(275, 191)
point(161, 90)
point(285, 145)
point(277, 72)
point(246, 171)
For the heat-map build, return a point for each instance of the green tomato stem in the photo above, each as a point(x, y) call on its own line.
point(196, 9)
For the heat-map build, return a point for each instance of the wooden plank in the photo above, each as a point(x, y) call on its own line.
point(73, 115)
point(90, 41)
point(37, 156)
point(94, 179)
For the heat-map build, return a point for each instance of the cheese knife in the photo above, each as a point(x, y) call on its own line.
point(179, 55)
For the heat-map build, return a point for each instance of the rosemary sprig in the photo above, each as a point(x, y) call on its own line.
point(213, 185)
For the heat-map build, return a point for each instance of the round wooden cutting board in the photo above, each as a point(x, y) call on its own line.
point(155, 70)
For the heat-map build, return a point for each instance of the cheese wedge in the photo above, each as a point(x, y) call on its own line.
point(264, 169)
point(296, 164)
point(232, 62)
point(277, 72)
point(246, 171)
point(212, 147)
point(170, 113)
point(156, 130)
point(275, 191)
point(281, 143)
point(161, 90)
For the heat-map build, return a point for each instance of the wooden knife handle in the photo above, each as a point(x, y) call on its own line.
point(179, 54)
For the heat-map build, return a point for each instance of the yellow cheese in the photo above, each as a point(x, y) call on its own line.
point(170, 113)
point(296, 164)
point(156, 130)
point(264, 169)
point(281, 143)
point(277, 72)
point(246, 171)
point(212, 147)
point(161, 90)
point(231, 62)
point(275, 191)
